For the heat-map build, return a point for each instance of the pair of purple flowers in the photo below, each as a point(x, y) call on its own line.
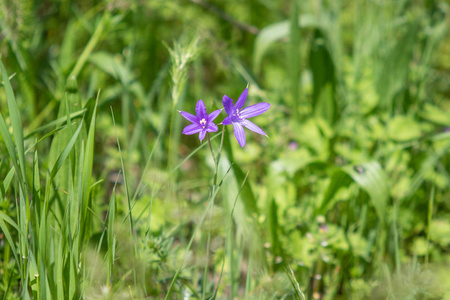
point(203, 123)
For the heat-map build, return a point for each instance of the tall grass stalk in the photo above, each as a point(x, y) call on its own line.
point(181, 55)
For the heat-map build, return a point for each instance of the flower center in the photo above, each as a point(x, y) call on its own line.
point(203, 122)
point(236, 116)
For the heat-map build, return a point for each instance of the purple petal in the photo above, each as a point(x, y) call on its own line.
point(213, 115)
point(192, 129)
point(200, 110)
point(253, 127)
point(239, 134)
point(202, 134)
point(241, 101)
point(189, 117)
point(212, 127)
point(228, 104)
point(254, 110)
point(226, 121)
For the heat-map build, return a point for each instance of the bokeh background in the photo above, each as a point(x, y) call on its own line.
point(348, 198)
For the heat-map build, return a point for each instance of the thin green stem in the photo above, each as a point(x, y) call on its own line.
point(205, 274)
point(210, 148)
point(91, 45)
point(396, 240)
point(430, 214)
point(213, 192)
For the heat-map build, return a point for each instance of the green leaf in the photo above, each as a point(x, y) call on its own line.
point(440, 232)
point(339, 179)
point(111, 65)
point(403, 129)
point(430, 162)
point(438, 115)
point(394, 65)
point(276, 32)
point(324, 77)
point(369, 176)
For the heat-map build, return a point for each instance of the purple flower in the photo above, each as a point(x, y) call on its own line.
point(238, 116)
point(201, 123)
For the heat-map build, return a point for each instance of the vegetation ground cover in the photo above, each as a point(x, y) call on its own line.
point(103, 197)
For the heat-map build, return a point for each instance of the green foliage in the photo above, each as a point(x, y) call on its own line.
point(348, 199)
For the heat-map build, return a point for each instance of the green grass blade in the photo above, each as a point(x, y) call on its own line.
point(65, 153)
point(127, 194)
point(293, 57)
point(294, 283)
point(9, 238)
point(87, 169)
point(15, 120)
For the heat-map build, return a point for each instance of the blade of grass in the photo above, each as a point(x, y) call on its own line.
point(294, 283)
point(15, 120)
point(91, 44)
point(293, 57)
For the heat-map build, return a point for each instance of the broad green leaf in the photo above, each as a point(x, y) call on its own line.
point(276, 32)
point(338, 179)
point(430, 162)
point(435, 114)
point(393, 70)
point(294, 56)
point(112, 65)
point(440, 232)
point(403, 128)
point(369, 176)
point(324, 77)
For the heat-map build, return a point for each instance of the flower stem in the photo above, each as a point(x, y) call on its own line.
point(208, 208)
point(211, 201)
point(216, 158)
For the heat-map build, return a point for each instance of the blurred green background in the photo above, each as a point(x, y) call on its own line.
point(348, 199)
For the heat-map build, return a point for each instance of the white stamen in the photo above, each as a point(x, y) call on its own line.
point(203, 122)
